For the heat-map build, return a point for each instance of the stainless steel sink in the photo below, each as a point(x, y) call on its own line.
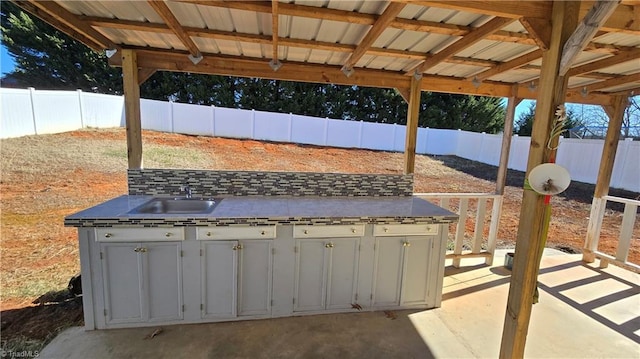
point(177, 206)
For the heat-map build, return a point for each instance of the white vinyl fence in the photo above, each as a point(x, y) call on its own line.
point(28, 112)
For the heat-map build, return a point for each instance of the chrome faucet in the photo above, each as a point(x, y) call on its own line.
point(187, 190)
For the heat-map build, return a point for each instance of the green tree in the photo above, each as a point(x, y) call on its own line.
point(524, 125)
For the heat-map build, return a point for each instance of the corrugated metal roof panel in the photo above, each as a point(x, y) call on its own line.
point(516, 76)
point(216, 18)
point(625, 68)
point(580, 81)
point(209, 46)
point(619, 39)
point(332, 31)
point(450, 69)
point(387, 38)
point(245, 21)
point(306, 29)
point(187, 14)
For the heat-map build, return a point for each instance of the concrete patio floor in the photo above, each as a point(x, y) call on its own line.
point(584, 312)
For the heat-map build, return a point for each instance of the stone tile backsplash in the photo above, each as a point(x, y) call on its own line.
point(244, 183)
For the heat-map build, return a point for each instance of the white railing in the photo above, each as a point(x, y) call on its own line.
point(596, 218)
point(472, 211)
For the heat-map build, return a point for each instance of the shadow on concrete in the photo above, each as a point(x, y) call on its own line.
point(627, 328)
point(577, 191)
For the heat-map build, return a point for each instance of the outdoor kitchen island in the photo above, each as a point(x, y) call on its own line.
point(369, 245)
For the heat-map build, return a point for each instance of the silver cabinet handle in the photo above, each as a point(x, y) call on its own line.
point(263, 233)
point(108, 235)
point(353, 230)
point(386, 229)
point(237, 247)
point(306, 232)
point(168, 234)
point(406, 244)
point(209, 234)
point(140, 250)
point(328, 245)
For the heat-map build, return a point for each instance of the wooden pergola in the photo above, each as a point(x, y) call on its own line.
point(551, 51)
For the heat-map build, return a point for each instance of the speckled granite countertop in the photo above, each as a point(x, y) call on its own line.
point(269, 210)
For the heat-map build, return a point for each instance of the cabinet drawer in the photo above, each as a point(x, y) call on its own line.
point(213, 233)
point(355, 230)
point(139, 234)
point(385, 230)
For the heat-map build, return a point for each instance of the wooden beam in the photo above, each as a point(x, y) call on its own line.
point(274, 31)
point(540, 29)
point(585, 32)
point(266, 40)
point(144, 74)
point(381, 24)
point(53, 13)
point(612, 82)
point(473, 37)
point(132, 107)
point(510, 9)
point(509, 65)
point(213, 64)
point(529, 244)
point(625, 18)
point(413, 114)
point(507, 134)
point(364, 19)
point(165, 13)
point(404, 93)
point(607, 160)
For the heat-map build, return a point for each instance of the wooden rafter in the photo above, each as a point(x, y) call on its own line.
point(170, 19)
point(540, 29)
point(509, 9)
point(585, 31)
point(213, 64)
point(612, 82)
point(53, 13)
point(381, 24)
point(144, 74)
point(478, 34)
point(621, 57)
point(625, 18)
point(264, 39)
point(509, 65)
point(364, 19)
point(274, 32)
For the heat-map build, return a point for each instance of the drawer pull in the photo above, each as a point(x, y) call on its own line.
point(406, 244)
point(306, 232)
point(263, 233)
point(237, 247)
point(168, 234)
point(208, 234)
point(386, 229)
point(328, 245)
point(108, 235)
point(140, 250)
point(353, 230)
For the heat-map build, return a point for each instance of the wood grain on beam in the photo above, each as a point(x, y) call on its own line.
point(509, 65)
point(625, 18)
point(274, 30)
point(540, 29)
point(501, 177)
point(611, 141)
point(404, 93)
point(510, 9)
point(170, 19)
point(473, 37)
point(613, 82)
point(381, 24)
point(413, 117)
point(172, 60)
point(61, 15)
point(144, 74)
point(585, 32)
point(132, 107)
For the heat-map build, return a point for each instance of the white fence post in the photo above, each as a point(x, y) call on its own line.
point(213, 120)
point(173, 127)
point(290, 126)
point(33, 110)
point(79, 91)
point(360, 134)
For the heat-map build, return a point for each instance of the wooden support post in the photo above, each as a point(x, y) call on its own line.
point(507, 133)
point(412, 125)
point(524, 276)
point(132, 108)
point(616, 115)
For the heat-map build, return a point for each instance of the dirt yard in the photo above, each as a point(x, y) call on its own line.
point(45, 178)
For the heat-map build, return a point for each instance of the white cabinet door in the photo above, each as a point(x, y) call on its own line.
point(163, 269)
point(342, 273)
point(417, 258)
point(310, 275)
point(219, 263)
point(142, 281)
point(122, 278)
point(255, 277)
point(387, 271)
point(326, 273)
